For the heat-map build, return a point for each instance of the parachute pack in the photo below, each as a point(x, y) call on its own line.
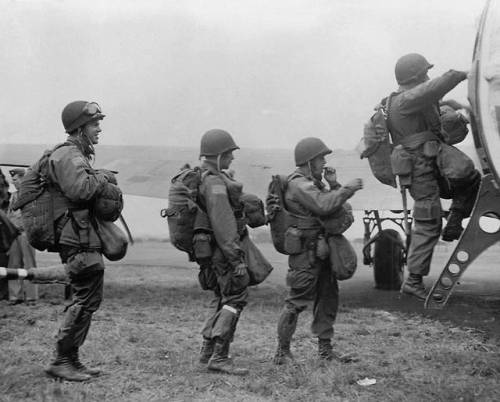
point(183, 210)
point(283, 223)
point(377, 145)
point(288, 230)
point(188, 224)
point(37, 204)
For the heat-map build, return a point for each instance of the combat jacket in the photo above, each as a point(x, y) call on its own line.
point(76, 185)
point(416, 110)
point(220, 207)
point(308, 197)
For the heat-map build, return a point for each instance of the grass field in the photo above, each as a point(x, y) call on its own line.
point(146, 339)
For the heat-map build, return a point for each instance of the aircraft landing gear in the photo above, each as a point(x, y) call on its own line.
point(389, 251)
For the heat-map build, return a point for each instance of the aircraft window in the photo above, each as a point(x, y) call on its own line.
point(489, 223)
point(454, 269)
point(462, 256)
point(446, 282)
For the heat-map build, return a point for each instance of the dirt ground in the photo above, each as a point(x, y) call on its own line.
point(475, 302)
point(146, 339)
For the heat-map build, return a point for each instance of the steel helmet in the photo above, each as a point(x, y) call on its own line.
point(410, 67)
point(109, 203)
point(78, 113)
point(215, 142)
point(309, 148)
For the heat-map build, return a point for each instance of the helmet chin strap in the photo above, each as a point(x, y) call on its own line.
point(310, 169)
point(87, 145)
point(311, 173)
point(218, 162)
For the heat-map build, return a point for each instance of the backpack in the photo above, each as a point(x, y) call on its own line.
point(377, 145)
point(184, 216)
point(280, 220)
point(36, 202)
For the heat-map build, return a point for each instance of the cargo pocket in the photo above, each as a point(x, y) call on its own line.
point(301, 276)
point(427, 210)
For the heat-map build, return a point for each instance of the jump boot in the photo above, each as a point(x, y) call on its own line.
point(94, 372)
point(453, 228)
point(63, 368)
point(207, 350)
point(414, 286)
point(325, 352)
point(283, 353)
point(286, 328)
point(221, 362)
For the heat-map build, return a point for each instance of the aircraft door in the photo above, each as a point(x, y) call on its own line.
point(484, 96)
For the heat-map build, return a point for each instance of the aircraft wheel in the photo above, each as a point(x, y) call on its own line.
point(388, 260)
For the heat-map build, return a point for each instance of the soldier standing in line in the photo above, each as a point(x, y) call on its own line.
point(416, 129)
point(76, 186)
point(228, 258)
point(310, 278)
point(21, 253)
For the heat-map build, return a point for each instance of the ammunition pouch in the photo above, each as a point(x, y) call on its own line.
point(402, 164)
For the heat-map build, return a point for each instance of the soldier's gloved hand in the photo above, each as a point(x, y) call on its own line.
point(356, 184)
point(240, 269)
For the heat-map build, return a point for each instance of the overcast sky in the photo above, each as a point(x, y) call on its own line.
point(268, 71)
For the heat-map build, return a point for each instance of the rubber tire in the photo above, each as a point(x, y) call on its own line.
point(388, 260)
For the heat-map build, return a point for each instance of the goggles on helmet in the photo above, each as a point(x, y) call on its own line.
point(91, 109)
